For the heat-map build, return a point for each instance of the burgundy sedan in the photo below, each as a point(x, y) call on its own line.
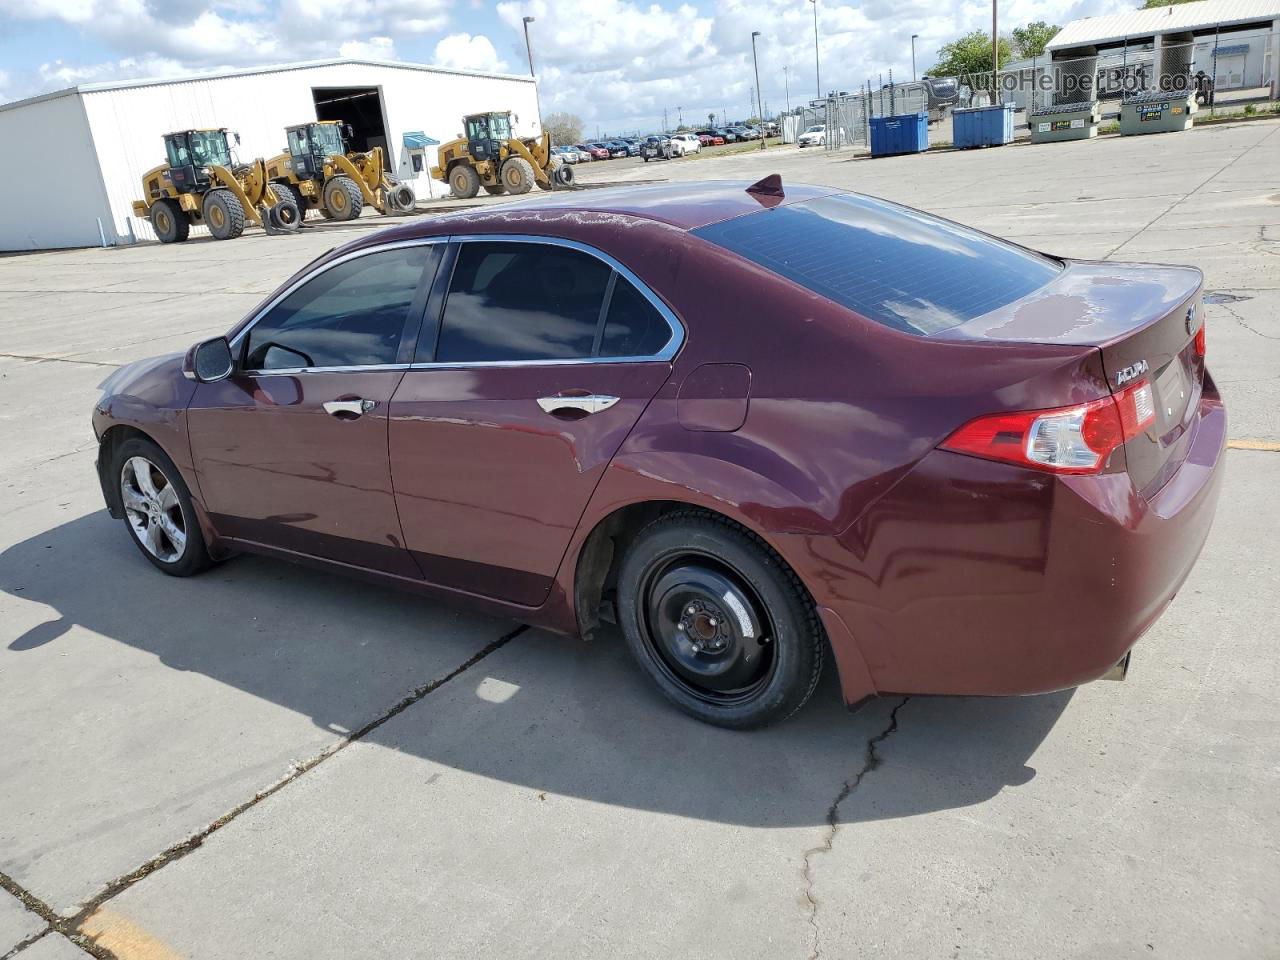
point(753, 425)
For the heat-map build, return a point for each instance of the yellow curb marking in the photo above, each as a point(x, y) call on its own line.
point(1253, 445)
point(124, 938)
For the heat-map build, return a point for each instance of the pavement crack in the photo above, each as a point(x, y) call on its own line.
point(72, 927)
point(871, 761)
point(85, 363)
point(1240, 320)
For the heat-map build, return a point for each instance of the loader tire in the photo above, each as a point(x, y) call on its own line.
point(561, 175)
point(285, 215)
point(168, 221)
point(400, 197)
point(496, 190)
point(464, 181)
point(342, 198)
point(223, 214)
point(517, 176)
point(294, 194)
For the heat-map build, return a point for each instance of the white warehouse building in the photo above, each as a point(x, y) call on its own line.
point(92, 143)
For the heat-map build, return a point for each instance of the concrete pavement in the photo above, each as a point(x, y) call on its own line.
point(268, 761)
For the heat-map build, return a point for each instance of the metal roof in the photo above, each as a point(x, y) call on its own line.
point(1172, 19)
point(251, 71)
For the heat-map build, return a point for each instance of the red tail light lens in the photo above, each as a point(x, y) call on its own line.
point(1069, 440)
point(1200, 340)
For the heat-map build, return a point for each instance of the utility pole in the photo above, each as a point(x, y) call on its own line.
point(665, 126)
point(786, 79)
point(759, 108)
point(528, 47)
point(913, 56)
point(995, 55)
point(817, 70)
point(680, 115)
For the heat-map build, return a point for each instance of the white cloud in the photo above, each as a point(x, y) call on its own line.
point(462, 51)
point(375, 48)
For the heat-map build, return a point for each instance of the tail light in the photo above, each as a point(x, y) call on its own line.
point(1068, 440)
point(1200, 340)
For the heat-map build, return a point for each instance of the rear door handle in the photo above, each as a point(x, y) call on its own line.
point(593, 403)
point(349, 408)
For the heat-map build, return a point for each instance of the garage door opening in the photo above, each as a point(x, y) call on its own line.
point(362, 108)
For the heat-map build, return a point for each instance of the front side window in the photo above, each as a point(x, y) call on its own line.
point(351, 315)
point(327, 141)
point(299, 145)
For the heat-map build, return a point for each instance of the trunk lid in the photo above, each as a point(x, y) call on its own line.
point(1143, 318)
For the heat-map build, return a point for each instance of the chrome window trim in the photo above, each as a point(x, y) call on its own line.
point(666, 354)
point(306, 278)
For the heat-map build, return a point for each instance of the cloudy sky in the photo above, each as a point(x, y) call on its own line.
point(616, 63)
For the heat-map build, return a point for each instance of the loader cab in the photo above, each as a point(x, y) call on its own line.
point(487, 134)
point(310, 144)
point(191, 152)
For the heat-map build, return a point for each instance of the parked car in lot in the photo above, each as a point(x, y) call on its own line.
point(714, 138)
point(955, 465)
point(727, 135)
point(594, 150)
point(633, 146)
point(814, 136)
point(568, 154)
point(746, 133)
point(617, 148)
point(657, 148)
point(683, 144)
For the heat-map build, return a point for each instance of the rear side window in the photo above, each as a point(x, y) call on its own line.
point(897, 266)
point(533, 301)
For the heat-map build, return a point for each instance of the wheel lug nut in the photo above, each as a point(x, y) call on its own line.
point(680, 627)
point(712, 621)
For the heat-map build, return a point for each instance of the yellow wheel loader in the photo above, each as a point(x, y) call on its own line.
point(490, 157)
point(199, 185)
point(321, 174)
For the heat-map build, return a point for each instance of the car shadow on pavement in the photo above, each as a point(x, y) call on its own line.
point(549, 713)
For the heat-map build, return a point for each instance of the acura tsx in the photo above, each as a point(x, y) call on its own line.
point(755, 426)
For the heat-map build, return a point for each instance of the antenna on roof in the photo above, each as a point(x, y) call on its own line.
point(770, 186)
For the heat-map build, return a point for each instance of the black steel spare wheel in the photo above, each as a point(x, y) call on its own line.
point(718, 621)
point(708, 630)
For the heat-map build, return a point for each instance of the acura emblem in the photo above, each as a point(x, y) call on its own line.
point(1191, 318)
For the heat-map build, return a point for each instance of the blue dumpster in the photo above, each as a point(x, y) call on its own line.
point(982, 126)
point(905, 133)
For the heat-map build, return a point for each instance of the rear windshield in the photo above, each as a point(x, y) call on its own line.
point(897, 266)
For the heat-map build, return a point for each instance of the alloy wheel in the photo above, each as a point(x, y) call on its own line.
point(152, 509)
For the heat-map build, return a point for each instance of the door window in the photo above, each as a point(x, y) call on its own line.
point(632, 326)
point(351, 315)
point(522, 301)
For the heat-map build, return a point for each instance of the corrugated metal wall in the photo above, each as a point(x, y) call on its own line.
point(127, 124)
point(50, 137)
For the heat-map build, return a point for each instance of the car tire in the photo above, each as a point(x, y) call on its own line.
point(716, 619)
point(157, 509)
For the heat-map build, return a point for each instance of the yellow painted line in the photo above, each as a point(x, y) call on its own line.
point(124, 938)
point(1269, 445)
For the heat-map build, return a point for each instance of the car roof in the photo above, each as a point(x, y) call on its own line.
point(683, 205)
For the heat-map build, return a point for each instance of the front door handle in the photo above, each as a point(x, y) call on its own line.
point(348, 408)
point(592, 403)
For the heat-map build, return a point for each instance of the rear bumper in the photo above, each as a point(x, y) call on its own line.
point(973, 577)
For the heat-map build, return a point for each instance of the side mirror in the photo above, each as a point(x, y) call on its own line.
point(348, 131)
point(237, 136)
point(209, 362)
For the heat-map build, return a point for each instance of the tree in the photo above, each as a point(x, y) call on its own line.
point(971, 54)
point(1161, 3)
point(563, 127)
point(1030, 41)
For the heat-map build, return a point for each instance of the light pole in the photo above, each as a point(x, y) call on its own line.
point(786, 79)
point(913, 55)
point(537, 99)
point(756, 63)
point(817, 70)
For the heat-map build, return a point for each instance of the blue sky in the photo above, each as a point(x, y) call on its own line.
point(616, 63)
